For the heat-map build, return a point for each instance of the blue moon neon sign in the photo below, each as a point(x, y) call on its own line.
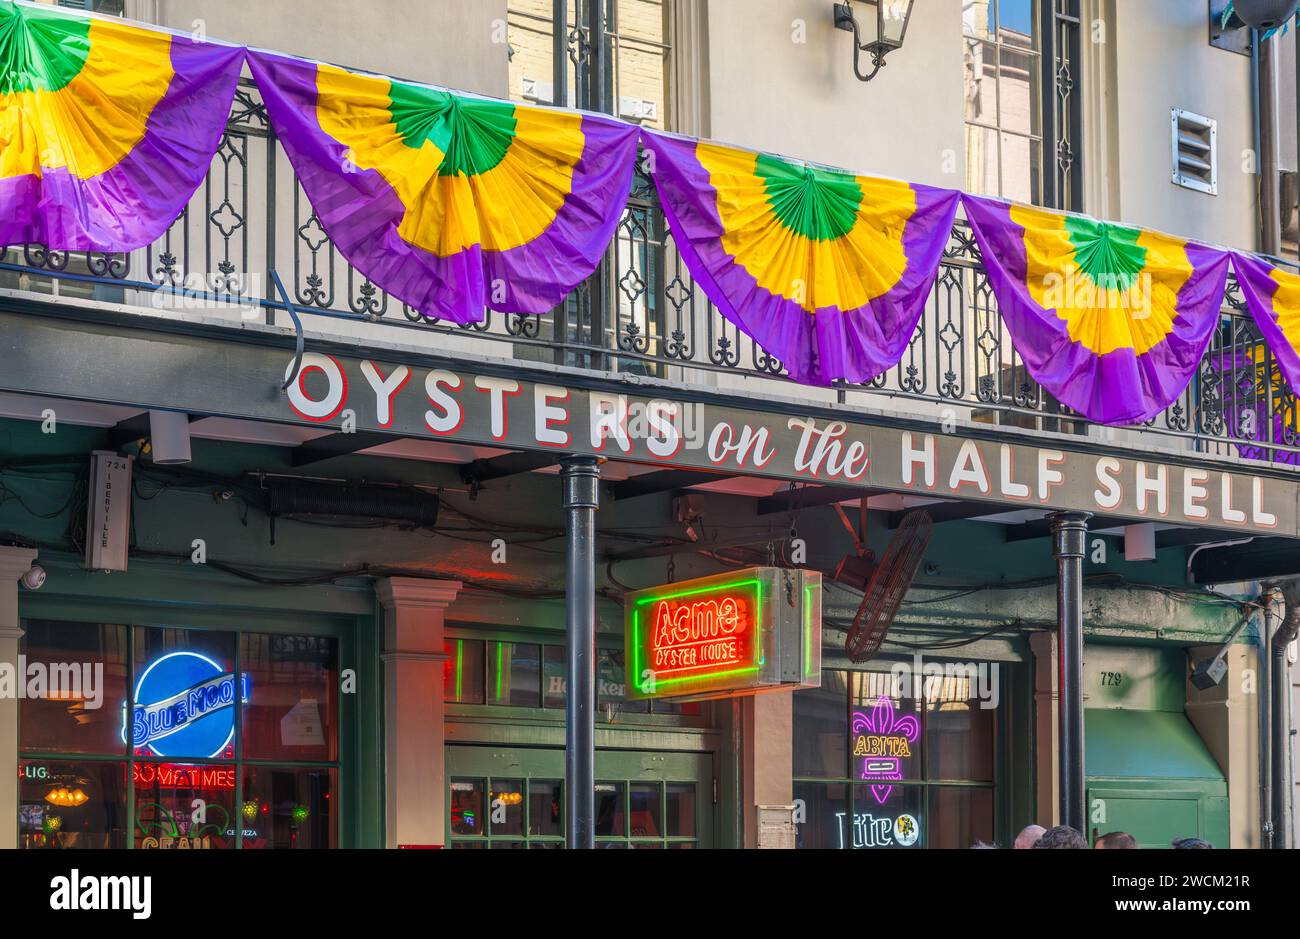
point(184, 706)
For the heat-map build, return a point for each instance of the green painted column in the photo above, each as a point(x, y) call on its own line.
point(14, 562)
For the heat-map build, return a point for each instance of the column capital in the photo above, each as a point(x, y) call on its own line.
point(416, 593)
point(15, 561)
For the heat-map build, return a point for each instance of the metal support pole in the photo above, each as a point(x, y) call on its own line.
point(1280, 682)
point(1281, 783)
point(1270, 158)
point(560, 54)
point(581, 478)
point(1069, 541)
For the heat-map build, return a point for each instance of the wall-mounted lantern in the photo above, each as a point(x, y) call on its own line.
point(1262, 14)
point(880, 33)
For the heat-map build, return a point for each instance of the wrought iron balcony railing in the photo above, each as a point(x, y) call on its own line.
point(641, 313)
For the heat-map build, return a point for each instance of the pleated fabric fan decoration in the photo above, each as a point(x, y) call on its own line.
point(1273, 298)
point(106, 129)
point(450, 203)
point(827, 271)
point(1111, 320)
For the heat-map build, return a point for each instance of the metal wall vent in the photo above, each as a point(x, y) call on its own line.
point(1195, 151)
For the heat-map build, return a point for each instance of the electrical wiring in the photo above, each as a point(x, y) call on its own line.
point(151, 481)
point(942, 645)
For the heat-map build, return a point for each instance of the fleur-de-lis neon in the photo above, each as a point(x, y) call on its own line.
point(886, 722)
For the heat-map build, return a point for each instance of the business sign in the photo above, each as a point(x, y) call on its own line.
point(884, 742)
point(179, 776)
point(786, 440)
point(738, 633)
point(866, 830)
point(184, 707)
point(831, 450)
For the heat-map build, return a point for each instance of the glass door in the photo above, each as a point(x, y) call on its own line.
point(503, 798)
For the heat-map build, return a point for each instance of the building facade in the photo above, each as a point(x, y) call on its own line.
point(391, 660)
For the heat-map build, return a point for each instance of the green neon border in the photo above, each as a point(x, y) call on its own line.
point(754, 582)
point(807, 630)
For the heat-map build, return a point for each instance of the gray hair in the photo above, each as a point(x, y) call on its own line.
point(1028, 836)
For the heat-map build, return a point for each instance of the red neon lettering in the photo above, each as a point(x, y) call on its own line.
point(174, 776)
point(701, 634)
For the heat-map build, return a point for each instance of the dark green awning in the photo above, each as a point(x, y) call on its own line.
point(1145, 745)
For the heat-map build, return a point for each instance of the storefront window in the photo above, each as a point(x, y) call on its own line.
point(175, 738)
point(554, 682)
point(820, 809)
point(820, 744)
point(184, 805)
point(463, 671)
point(546, 808)
point(887, 759)
point(962, 737)
point(506, 801)
point(959, 817)
point(516, 813)
point(285, 807)
point(88, 663)
point(681, 810)
point(518, 674)
point(292, 705)
point(514, 674)
point(202, 665)
point(467, 815)
point(65, 804)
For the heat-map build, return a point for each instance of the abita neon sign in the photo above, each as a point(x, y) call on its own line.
point(184, 706)
point(881, 740)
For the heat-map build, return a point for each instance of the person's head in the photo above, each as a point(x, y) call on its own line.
point(1117, 840)
point(1191, 843)
point(1028, 837)
point(983, 845)
point(1062, 836)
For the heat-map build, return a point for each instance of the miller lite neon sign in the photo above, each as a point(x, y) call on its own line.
point(740, 633)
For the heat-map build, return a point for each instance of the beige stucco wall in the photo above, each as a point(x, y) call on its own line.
point(780, 79)
point(447, 42)
point(771, 91)
point(1227, 718)
point(1164, 61)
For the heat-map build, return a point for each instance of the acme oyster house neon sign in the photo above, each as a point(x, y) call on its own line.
point(698, 635)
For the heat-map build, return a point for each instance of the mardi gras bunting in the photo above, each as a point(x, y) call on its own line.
point(450, 203)
point(1252, 398)
point(106, 129)
point(1273, 297)
point(827, 271)
point(1111, 320)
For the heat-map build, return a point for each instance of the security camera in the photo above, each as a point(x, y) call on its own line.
point(34, 578)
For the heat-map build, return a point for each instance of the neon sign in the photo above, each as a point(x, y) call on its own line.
point(175, 776)
point(871, 832)
point(881, 740)
point(739, 633)
point(184, 706)
point(690, 635)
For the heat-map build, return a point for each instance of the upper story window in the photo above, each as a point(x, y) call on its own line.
point(1004, 98)
point(115, 7)
point(634, 81)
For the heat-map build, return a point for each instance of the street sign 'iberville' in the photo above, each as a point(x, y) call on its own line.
point(508, 412)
